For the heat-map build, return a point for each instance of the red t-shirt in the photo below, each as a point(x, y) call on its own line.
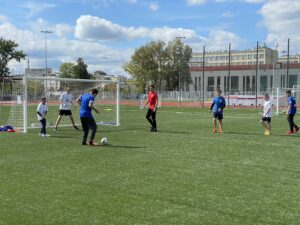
point(152, 98)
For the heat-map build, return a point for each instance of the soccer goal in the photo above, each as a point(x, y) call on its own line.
point(27, 93)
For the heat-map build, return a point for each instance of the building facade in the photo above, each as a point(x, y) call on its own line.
point(243, 78)
point(246, 57)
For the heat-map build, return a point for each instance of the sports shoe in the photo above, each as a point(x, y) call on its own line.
point(93, 144)
point(41, 135)
point(267, 133)
point(154, 130)
point(290, 132)
point(47, 135)
point(84, 143)
point(296, 129)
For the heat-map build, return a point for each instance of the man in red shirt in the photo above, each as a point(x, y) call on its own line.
point(152, 101)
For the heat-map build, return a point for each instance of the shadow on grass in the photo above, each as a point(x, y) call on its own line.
point(119, 130)
point(174, 132)
point(118, 146)
point(260, 134)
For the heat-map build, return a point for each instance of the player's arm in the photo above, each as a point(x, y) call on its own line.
point(147, 102)
point(156, 103)
point(79, 101)
point(288, 108)
point(212, 105)
point(91, 105)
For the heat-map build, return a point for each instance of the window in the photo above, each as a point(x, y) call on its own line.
point(210, 84)
point(293, 80)
point(218, 82)
point(199, 84)
point(253, 83)
point(263, 83)
point(234, 84)
point(282, 81)
point(246, 83)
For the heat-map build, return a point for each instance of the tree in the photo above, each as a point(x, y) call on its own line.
point(159, 62)
point(66, 70)
point(80, 70)
point(8, 52)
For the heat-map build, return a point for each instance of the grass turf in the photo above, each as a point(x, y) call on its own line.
point(183, 174)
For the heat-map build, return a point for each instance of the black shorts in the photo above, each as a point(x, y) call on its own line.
point(218, 116)
point(65, 112)
point(266, 119)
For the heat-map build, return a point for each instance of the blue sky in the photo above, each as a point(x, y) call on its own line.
point(106, 32)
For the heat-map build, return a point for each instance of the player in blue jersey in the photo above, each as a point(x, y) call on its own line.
point(86, 103)
point(291, 111)
point(217, 106)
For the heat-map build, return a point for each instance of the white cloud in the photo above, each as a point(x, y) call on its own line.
point(153, 6)
point(60, 30)
point(95, 28)
point(36, 8)
point(3, 18)
point(201, 2)
point(196, 2)
point(63, 50)
point(227, 14)
point(282, 19)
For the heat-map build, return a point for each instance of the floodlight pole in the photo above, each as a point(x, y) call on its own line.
point(46, 63)
point(203, 73)
point(287, 64)
point(256, 74)
point(229, 75)
point(179, 75)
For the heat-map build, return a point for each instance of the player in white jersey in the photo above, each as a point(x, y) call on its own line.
point(41, 111)
point(65, 106)
point(267, 115)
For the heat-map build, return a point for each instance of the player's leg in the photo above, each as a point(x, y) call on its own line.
point(148, 116)
point(220, 119)
point(85, 128)
point(214, 122)
point(264, 124)
point(58, 119)
point(295, 127)
point(153, 116)
point(93, 126)
point(291, 123)
point(43, 127)
point(72, 121)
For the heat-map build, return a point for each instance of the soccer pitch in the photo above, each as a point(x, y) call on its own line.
point(183, 174)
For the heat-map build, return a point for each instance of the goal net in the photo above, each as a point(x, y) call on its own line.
point(27, 93)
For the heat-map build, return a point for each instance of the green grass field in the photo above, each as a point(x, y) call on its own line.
point(183, 174)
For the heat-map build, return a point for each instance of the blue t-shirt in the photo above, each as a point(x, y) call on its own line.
point(85, 110)
point(219, 103)
point(292, 102)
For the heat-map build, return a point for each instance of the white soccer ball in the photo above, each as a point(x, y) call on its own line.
point(104, 141)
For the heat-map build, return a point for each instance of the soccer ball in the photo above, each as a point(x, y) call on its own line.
point(104, 141)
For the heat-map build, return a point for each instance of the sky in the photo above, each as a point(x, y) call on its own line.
point(105, 33)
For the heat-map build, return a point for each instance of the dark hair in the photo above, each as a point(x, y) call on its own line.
point(266, 95)
point(43, 98)
point(151, 85)
point(94, 91)
point(219, 90)
point(288, 92)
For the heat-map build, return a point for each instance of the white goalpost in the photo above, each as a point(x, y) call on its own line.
point(27, 93)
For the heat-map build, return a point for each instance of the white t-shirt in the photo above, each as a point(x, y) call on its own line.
point(65, 101)
point(42, 109)
point(267, 109)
